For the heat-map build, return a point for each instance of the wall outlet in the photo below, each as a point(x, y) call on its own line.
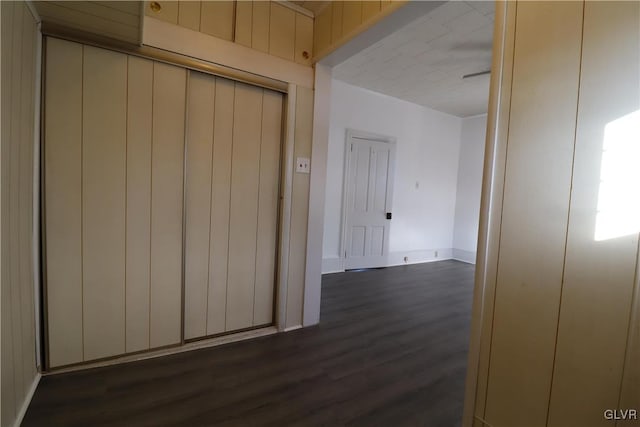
point(302, 164)
point(435, 254)
point(406, 259)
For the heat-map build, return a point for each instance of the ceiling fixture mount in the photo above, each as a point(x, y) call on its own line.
point(480, 73)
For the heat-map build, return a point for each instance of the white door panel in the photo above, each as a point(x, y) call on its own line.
point(368, 196)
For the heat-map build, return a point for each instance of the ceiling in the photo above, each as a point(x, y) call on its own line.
point(424, 61)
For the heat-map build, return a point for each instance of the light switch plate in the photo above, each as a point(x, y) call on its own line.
point(302, 164)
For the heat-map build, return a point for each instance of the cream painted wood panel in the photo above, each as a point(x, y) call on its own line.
point(495, 156)
point(244, 23)
point(95, 10)
point(351, 16)
point(299, 209)
point(93, 18)
point(104, 134)
point(261, 20)
point(63, 199)
point(370, 9)
point(189, 14)
point(138, 251)
point(14, 178)
point(200, 122)
point(267, 239)
point(630, 390)
point(168, 11)
point(322, 29)
point(217, 19)
point(18, 101)
point(26, 214)
point(336, 22)
point(303, 39)
point(282, 32)
point(8, 412)
point(130, 7)
point(601, 256)
point(166, 204)
point(220, 197)
point(535, 209)
point(243, 206)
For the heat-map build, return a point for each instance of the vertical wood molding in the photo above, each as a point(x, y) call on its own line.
point(285, 208)
point(299, 209)
point(317, 184)
point(490, 211)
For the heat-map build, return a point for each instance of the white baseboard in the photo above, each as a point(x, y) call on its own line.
point(332, 265)
point(292, 328)
point(464, 256)
point(335, 265)
point(418, 257)
point(27, 400)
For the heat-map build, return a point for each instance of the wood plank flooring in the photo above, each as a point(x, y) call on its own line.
point(391, 350)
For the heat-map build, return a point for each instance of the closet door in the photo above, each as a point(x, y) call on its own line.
point(113, 167)
point(233, 168)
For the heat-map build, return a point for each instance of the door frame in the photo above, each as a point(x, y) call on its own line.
point(350, 136)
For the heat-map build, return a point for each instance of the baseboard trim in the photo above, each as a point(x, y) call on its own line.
point(190, 346)
point(464, 256)
point(27, 400)
point(332, 265)
point(292, 328)
point(335, 265)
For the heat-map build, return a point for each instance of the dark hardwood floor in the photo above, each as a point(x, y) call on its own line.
point(391, 350)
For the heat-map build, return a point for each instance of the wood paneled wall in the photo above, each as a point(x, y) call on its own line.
point(266, 26)
point(19, 64)
point(114, 133)
point(340, 21)
point(119, 20)
point(561, 345)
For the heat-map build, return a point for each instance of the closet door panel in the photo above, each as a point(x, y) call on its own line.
point(267, 238)
point(63, 201)
point(139, 122)
point(198, 201)
point(244, 206)
point(104, 136)
point(166, 204)
point(220, 198)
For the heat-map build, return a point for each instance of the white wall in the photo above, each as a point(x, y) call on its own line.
point(428, 144)
point(472, 143)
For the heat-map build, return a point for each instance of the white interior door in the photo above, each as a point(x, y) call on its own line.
point(368, 197)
